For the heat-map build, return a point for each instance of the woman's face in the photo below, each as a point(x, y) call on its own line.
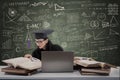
point(41, 43)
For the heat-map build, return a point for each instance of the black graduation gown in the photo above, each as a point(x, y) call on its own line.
point(49, 47)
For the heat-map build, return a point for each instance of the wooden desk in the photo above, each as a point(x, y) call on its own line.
point(114, 75)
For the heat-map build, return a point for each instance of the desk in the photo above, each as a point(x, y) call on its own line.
point(114, 75)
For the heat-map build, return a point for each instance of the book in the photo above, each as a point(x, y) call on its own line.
point(12, 70)
point(93, 71)
point(24, 63)
point(89, 66)
point(92, 63)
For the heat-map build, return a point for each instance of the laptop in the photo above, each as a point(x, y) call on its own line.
point(57, 61)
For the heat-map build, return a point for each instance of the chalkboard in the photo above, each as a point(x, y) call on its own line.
point(89, 28)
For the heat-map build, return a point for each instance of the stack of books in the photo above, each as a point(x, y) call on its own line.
point(91, 67)
point(21, 66)
point(18, 71)
point(94, 71)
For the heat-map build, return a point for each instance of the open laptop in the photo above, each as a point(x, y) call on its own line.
point(57, 61)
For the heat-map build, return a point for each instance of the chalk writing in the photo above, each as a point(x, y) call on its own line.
point(113, 9)
point(18, 38)
point(7, 33)
point(18, 3)
point(34, 25)
point(113, 47)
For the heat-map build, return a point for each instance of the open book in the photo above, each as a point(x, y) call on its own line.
point(92, 63)
point(25, 63)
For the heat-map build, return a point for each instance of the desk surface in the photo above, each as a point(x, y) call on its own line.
point(114, 75)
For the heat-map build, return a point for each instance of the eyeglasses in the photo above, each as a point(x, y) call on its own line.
point(40, 41)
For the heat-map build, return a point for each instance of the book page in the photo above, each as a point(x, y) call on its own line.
point(31, 65)
point(87, 63)
point(16, 61)
point(23, 62)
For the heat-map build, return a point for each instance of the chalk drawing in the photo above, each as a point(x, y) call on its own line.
point(64, 44)
point(5, 56)
point(73, 30)
point(46, 24)
point(20, 30)
point(73, 18)
point(98, 43)
point(42, 17)
point(35, 4)
point(12, 12)
point(90, 53)
point(93, 14)
point(86, 23)
point(113, 32)
point(31, 12)
point(50, 5)
point(101, 35)
point(105, 24)
point(101, 16)
point(87, 36)
point(18, 49)
point(28, 38)
point(58, 7)
point(58, 14)
point(108, 48)
point(113, 22)
point(94, 24)
point(7, 44)
point(73, 38)
point(75, 2)
point(84, 14)
point(11, 20)
point(24, 18)
point(113, 9)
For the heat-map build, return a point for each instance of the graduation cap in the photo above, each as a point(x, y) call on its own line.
point(43, 34)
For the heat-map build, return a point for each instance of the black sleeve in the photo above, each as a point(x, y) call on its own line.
point(36, 54)
point(57, 48)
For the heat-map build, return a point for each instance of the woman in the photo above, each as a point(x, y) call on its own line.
point(43, 44)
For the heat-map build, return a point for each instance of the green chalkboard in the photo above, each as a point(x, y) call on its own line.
point(89, 28)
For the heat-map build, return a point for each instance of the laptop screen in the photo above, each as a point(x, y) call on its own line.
point(57, 61)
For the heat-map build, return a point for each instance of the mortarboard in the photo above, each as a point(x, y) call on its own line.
point(43, 33)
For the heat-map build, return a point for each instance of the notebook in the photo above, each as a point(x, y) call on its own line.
point(57, 61)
